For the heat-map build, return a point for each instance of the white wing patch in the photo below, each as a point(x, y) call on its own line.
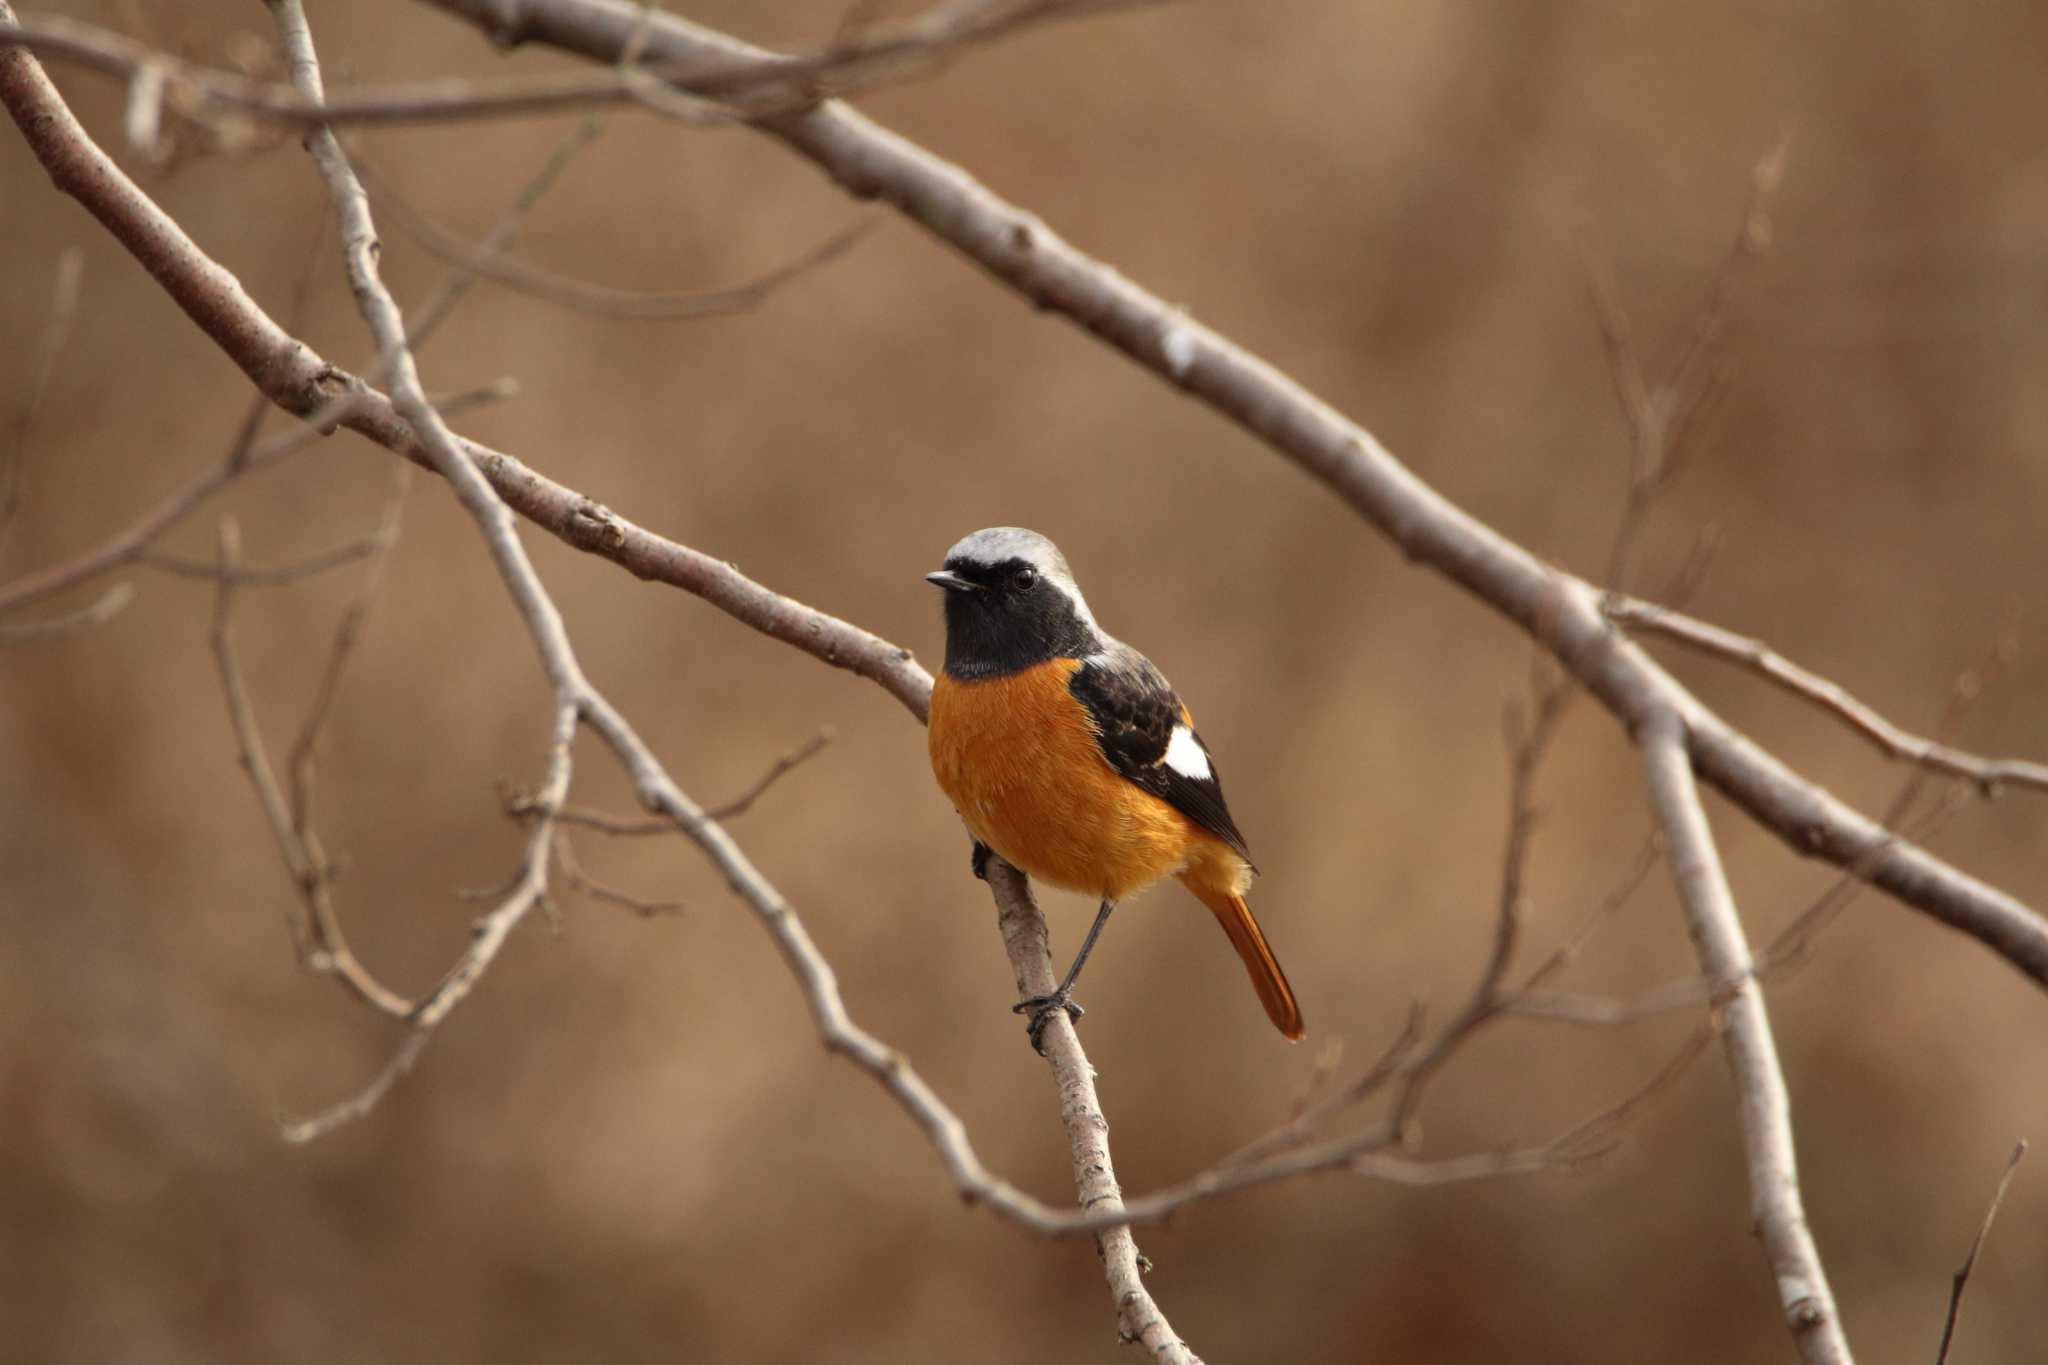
point(1184, 754)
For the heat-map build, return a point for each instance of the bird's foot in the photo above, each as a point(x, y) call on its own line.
point(1041, 1008)
point(977, 861)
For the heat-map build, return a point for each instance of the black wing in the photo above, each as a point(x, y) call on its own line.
point(1135, 712)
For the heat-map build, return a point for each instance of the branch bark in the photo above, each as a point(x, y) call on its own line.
point(1024, 940)
point(1806, 1302)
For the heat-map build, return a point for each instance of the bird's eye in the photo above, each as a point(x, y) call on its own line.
point(1024, 578)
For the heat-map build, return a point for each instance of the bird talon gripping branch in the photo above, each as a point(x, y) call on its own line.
point(1066, 753)
point(1042, 1008)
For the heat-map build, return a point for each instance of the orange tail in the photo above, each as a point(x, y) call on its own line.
point(1267, 979)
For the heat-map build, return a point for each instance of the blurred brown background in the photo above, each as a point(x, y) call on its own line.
point(628, 1145)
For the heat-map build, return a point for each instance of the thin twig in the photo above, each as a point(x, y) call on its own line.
point(519, 804)
point(756, 88)
point(572, 693)
point(575, 876)
point(1664, 411)
point(56, 332)
point(266, 576)
point(132, 544)
point(492, 263)
point(428, 317)
point(1962, 1275)
point(316, 929)
point(300, 759)
point(1648, 854)
point(1989, 774)
point(98, 612)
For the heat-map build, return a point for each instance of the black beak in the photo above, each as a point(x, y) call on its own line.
point(951, 581)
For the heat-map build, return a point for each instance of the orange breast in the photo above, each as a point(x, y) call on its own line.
point(1017, 757)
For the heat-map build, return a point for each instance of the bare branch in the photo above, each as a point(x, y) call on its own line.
point(520, 804)
point(1645, 861)
point(1989, 774)
point(56, 332)
point(1783, 953)
point(317, 935)
point(427, 319)
point(1962, 1276)
point(573, 873)
point(1776, 1205)
point(318, 1125)
point(1662, 413)
point(270, 576)
point(101, 610)
point(493, 264)
point(1560, 611)
point(572, 693)
point(299, 763)
point(1027, 943)
point(757, 87)
point(132, 544)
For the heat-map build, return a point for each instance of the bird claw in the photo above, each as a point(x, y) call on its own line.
point(1041, 1008)
point(977, 861)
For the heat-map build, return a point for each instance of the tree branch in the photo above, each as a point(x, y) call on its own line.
point(632, 305)
point(757, 85)
point(1025, 941)
point(1962, 1275)
point(1559, 610)
point(1989, 774)
point(316, 933)
point(98, 612)
point(1776, 1205)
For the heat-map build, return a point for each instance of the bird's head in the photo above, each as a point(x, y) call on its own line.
point(1011, 602)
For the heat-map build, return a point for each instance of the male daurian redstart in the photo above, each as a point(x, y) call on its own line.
point(1066, 752)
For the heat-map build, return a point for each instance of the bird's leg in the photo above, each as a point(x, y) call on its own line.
point(1041, 1007)
point(977, 861)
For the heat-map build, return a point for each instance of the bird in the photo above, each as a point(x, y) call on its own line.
point(1067, 753)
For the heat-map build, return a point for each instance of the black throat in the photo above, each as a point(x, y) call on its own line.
point(997, 630)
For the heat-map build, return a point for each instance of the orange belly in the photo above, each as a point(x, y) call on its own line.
point(1017, 757)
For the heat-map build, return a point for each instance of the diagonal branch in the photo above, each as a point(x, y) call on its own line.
point(1561, 611)
point(98, 612)
point(1961, 1280)
point(1776, 1205)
